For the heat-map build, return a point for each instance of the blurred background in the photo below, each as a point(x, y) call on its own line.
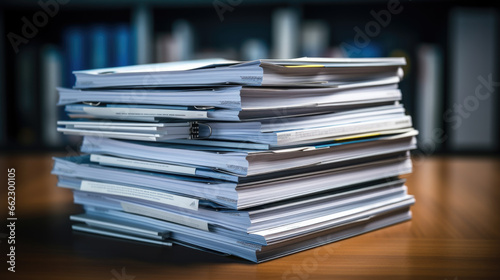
point(450, 87)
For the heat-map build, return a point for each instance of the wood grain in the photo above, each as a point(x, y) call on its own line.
point(454, 234)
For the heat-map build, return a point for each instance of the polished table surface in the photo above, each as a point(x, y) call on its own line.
point(454, 234)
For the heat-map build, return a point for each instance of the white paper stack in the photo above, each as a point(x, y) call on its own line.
point(254, 159)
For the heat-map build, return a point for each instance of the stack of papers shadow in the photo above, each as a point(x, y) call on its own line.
point(253, 159)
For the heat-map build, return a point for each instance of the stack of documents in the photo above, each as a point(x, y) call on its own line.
point(255, 159)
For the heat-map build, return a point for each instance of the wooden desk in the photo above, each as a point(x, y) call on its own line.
point(454, 234)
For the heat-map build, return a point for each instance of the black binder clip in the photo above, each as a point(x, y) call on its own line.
point(195, 130)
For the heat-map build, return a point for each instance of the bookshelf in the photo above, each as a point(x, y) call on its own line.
point(170, 30)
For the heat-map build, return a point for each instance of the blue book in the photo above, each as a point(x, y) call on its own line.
point(75, 55)
point(122, 46)
point(99, 46)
